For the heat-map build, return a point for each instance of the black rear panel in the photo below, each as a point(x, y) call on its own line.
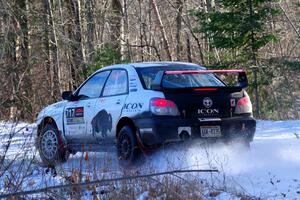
point(199, 104)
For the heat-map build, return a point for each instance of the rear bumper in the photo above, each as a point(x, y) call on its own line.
point(160, 130)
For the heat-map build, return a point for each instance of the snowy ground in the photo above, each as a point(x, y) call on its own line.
point(270, 170)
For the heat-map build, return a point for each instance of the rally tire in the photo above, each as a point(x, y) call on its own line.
point(51, 146)
point(127, 148)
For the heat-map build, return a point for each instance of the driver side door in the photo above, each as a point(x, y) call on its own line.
point(78, 114)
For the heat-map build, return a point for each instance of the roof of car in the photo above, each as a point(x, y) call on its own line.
point(162, 64)
point(156, 64)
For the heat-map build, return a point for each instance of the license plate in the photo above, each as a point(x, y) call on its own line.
point(210, 131)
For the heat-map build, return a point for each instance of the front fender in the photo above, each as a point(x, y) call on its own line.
point(55, 112)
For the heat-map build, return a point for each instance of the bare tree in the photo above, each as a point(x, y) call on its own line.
point(45, 46)
point(179, 6)
point(51, 50)
point(89, 5)
point(74, 28)
point(116, 23)
point(162, 30)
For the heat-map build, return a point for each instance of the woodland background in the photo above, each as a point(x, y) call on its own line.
point(49, 46)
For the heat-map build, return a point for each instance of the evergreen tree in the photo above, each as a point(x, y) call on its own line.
point(239, 25)
point(105, 56)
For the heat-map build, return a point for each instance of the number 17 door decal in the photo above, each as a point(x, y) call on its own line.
point(75, 115)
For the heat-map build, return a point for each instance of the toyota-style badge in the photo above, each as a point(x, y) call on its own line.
point(207, 102)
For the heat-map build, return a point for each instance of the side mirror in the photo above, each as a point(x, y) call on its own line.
point(66, 95)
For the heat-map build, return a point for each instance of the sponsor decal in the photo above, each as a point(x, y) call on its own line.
point(132, 78)
point(207, 112)
point(132, 84)
point(75, 115)
point(133, 107)
point(133, 90)
point(207, 102)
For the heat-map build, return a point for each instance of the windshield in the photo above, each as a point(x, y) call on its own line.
point(179, 80)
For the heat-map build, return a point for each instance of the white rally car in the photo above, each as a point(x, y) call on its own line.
point(139, 106)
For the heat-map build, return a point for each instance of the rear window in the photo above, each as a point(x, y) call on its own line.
point(179, 80)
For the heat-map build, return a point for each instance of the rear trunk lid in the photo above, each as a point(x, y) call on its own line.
point(198, 93)
point(201, 93)
point(191, 104)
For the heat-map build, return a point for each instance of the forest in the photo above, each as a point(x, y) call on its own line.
point(50, 46)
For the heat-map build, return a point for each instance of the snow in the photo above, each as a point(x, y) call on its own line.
point(269, 170)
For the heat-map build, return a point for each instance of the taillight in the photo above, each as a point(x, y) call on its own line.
point(243, 105)
point(163, 107)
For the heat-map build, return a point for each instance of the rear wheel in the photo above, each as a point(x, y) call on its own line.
point(51, 147)
point(128, 151)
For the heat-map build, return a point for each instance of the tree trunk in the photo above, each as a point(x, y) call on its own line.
point(126, 31)
point(2, 39)
point(90, 28)
point(78, 63)
point(162, 30)
point(254, 62)
point(179, 5)
point(188, 48)
point(25, 71)
point(189, 26)
point(116, 25)
point(10, 57)
point(210, 4)
point(141, 31)
point(52, 51)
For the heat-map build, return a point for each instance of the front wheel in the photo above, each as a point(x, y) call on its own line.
point(128, 151)
point(51, 147)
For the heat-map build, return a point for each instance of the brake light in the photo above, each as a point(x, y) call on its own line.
point(243, 101)
point(243, 105)
point(160, 106)
point(205, 89)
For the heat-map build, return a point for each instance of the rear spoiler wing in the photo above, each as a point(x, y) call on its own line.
point(242, 78)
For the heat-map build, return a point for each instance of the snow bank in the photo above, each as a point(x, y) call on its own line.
point(270, 169)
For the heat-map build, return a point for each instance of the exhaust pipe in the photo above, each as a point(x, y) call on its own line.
point(184, 135)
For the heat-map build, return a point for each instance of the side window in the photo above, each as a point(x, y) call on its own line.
point(116, 84)
point(93, 87)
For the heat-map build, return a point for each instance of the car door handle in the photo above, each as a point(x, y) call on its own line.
point(118, 101)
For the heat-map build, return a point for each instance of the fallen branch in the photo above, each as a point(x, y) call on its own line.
point(97, 182)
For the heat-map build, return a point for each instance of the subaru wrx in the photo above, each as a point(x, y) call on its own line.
point(137, 107)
